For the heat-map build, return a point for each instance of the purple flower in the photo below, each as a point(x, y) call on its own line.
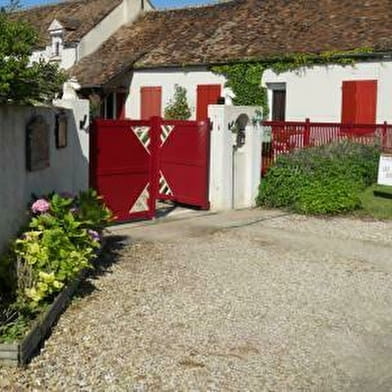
point(94, 235)
point(40, 206)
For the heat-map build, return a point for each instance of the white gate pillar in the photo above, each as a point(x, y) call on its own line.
point(234, 172)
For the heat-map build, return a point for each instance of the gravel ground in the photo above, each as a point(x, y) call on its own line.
point(224, 303)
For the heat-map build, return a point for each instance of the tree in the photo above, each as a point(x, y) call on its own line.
point(178, 108)
point(20, 80)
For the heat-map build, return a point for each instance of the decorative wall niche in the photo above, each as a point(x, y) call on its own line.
point(61, 130)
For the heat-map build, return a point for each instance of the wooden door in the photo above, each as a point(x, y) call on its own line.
point(207, 94)
point(150, 102)
point(278, 105)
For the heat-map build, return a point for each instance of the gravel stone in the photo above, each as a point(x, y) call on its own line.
point(244, 301)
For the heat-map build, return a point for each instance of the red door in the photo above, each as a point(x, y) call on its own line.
point(359, 101)
point(150, 102)
point(207, 94)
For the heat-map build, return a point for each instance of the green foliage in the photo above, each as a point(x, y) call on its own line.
point(20, 81)
point(377, 205)
point(320, 180)
point(245, 81)
point(244, 78)
point(14, 330)
point(92, 210)
point(178, 108)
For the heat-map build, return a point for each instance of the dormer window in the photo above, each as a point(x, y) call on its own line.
point(56, 31)
point(57, 49)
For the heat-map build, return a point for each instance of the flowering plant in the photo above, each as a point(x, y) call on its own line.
point(40, 206)
point(59, 241)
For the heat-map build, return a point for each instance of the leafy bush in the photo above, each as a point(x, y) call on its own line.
point(59, 241)
point(320, 180)
point(178, 108)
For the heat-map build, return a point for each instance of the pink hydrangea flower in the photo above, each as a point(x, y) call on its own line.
point(40, 206)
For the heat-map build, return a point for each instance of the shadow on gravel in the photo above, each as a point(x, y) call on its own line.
point(109, 256)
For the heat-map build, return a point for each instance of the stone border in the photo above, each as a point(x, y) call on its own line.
point(19, 354)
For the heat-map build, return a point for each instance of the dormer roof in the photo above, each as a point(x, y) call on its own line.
point(55, 26)
point(77, 17)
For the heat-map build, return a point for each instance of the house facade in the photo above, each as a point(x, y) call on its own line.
point(71, 30)
point(135, 70)
point(361, 93)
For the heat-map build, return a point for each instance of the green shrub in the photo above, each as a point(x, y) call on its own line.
point(178, 108)
point(320, 180)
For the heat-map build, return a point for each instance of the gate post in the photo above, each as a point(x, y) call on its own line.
point(234, 169)
point(155, 132)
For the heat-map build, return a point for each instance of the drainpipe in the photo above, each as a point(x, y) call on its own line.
point(142, 5)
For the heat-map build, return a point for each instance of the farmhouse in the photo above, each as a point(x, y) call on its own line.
point(71, 30)
point(137, 67)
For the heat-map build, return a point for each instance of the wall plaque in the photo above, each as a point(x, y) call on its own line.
point(37, 144)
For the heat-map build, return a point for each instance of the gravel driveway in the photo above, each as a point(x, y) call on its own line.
point(243, 301)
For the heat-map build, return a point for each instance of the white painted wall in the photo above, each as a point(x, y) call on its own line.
point(68, 169)
point(234, 173)
point(167, 78)
point(66, 60)
point(316, 92)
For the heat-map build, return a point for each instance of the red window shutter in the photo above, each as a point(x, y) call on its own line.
point(207, 94)
point(150, 102)
point(359, 101)
point(120, 106)
point(367, 102)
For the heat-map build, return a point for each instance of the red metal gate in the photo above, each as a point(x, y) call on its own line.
point(134, 163)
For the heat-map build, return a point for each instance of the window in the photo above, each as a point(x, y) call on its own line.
point(57, 49)
point(359, 101)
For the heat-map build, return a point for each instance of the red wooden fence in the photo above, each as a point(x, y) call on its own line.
point(287, 136)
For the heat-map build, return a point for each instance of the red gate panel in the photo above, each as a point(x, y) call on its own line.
point(184, 162)
point(122, 167)
point(133, 163)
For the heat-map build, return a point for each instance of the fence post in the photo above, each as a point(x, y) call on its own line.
point(384, 136)
point(307, 133)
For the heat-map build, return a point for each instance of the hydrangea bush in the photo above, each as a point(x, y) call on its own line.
point(59, 241)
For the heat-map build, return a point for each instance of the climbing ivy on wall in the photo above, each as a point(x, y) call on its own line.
point(244, 78)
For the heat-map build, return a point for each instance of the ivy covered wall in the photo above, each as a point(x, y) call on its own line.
point(244, 78)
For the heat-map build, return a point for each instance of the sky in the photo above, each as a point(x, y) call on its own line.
point(157, 3)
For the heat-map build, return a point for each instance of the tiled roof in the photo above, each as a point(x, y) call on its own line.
point(239, 30)
point(77, 16)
